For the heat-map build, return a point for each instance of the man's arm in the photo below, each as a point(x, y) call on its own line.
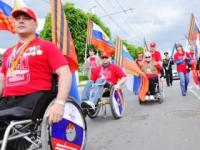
point(120, 83)
point(56, 111)
point(64, 82)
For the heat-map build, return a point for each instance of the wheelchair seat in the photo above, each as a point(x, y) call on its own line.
point(155, 92)
point(15, 113)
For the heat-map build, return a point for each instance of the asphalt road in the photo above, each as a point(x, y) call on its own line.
point(172, 125)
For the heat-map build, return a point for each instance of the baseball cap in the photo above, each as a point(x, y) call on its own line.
point(25, 10)
point(153, 45)
point(105, 54)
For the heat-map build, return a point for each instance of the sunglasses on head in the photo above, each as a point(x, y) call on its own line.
point(104, 57)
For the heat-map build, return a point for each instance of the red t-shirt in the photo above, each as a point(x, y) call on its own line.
point(156, 56)
point(111, 73)
point(93, 62)
point(182, 66)
point(34, 70)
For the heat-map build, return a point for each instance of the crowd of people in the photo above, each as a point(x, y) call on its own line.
point(27, 68)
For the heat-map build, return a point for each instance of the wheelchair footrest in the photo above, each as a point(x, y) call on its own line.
point(104, 100)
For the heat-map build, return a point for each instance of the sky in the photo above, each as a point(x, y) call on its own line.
point(164, 22)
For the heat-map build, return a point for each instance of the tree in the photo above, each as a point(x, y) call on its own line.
point(77, 22)
point(132, 49)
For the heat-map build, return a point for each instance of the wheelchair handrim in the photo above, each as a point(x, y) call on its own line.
point(71, 135)
point(117, 103)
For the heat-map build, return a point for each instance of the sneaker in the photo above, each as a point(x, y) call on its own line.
point(184, 94)
point(158, 95)
point(147, 97)
point(151, 97)
point(88, 104)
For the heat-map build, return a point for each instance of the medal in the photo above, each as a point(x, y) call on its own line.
point(22, 50)
point(10, 73)
point(39, 52)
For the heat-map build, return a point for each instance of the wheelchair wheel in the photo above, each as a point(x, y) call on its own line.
point(117, 103)
point(69, 133)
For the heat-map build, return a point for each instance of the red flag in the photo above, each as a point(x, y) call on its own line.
point(6, 20)
point(6, 23)
point(97, 37)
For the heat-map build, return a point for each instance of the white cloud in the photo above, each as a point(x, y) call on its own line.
point(157, 20)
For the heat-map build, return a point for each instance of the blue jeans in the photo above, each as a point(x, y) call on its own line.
point(184, 80)
point(93, 91)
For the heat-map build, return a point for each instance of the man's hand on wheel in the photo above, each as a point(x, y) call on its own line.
point(55, 112)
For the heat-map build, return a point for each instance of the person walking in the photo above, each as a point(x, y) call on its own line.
point(91, 62)
point(181, 58)
point(167, 65)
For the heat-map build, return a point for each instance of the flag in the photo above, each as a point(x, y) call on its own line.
point(18, 4)
point(74, 89)
point(138, 82)
point(6, 19)
point(97, 37)
point(172, 52)
point(194, 71)
point(193, 39)
point(133, 81)
point(61, 36)
point(193, 30)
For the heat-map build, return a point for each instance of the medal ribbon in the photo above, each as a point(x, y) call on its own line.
point(15, 62)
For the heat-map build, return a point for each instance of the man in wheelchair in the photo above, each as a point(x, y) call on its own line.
point(104, 76)
point(153, 70)
point(26, 75)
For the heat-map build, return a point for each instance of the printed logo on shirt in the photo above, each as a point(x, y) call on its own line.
point(21, 75)
point(106, 73)
point(33, 51)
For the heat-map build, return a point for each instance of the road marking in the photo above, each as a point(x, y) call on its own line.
point(195, 93)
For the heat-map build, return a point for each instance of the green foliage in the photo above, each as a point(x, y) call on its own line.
point(77, 21)
point(83, 78)
point(132, 49)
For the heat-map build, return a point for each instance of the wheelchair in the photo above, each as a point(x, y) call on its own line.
point(34, 132)
point(112, 97)
point(158, 94)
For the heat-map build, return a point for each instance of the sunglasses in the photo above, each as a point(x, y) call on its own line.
point(104, 57)
point(148, 57)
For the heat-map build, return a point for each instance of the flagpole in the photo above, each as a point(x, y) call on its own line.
point(87, 39)
point(85, 51)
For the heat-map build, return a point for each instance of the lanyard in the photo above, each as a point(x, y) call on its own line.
point(15, 59)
